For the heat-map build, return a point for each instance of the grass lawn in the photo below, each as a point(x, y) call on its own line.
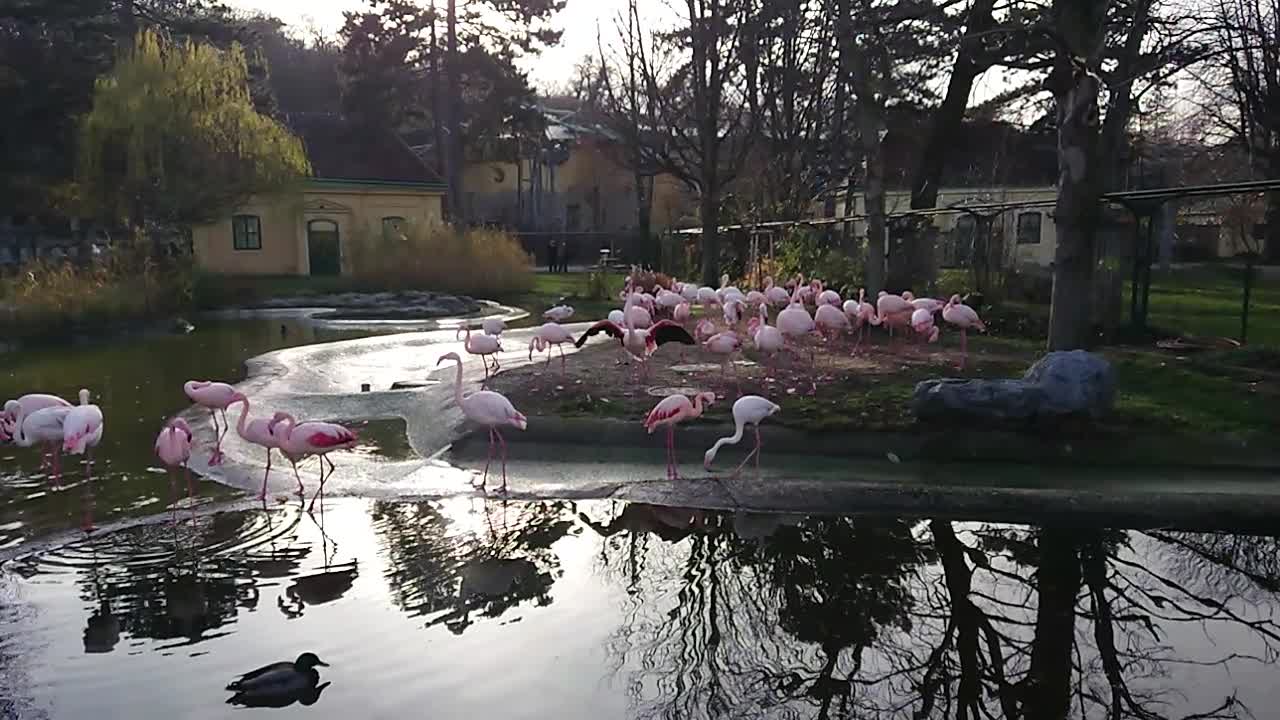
point(572, 289)
point(1206, 301)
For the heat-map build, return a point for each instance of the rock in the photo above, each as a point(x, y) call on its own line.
point(1059, 384)
point(1074, 382)
point(180, 326)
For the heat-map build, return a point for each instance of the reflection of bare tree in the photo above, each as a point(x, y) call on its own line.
point(839, 617)
point(439, 569)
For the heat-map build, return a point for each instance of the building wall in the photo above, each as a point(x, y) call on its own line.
point(593, 192)
point(356, 210)
point(1027, 253)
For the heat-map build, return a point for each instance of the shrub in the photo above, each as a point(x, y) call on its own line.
point(804, 251)
point(477, 261)
point(49, 297)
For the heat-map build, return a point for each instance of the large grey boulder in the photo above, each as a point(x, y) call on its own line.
point(1060, 383)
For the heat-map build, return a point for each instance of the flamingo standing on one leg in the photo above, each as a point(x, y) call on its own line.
point(861, 314)
point(671, 410)
point(258, 432)
point(484, 346)
point(546, 336)
point(81, 432)
point(173, 447)
point(795, 322)
point(726, 343)
point(767, 338)
point(965, 318)
point(922, 323)
point(748, 410)
point(298, 440)
point(215, 396)
point(490, 409)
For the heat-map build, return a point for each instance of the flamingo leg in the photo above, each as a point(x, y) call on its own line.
point(57, 465)
point(503, 443)
point(296, 476)
point(173, 496)
point(488, 459)
point(560, 346)
point(87, 523)
point(216, 457)
point(755, 452)
point(320, 492)
point(675, 463)
point(263, 495)
point(964, 346)
point(191, 488)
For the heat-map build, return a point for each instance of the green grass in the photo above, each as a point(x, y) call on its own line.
point(1207, 301)
point(569, 288)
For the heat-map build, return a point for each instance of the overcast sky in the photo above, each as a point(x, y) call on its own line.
point(552, 68)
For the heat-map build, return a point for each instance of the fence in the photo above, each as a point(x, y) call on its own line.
point(585, 249)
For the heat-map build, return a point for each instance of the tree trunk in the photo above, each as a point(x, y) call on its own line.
point(873, 198)
point(1244, 306)
point(1047, 691)
point(438, 111)
point(644, 218)
point(710, 211)
point(1271, 247)
point(453, 124)
point(1077, 211)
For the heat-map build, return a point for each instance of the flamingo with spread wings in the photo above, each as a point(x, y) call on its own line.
point(640, 344)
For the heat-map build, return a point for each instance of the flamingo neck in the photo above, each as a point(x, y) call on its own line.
point(244, 418)
point(457, 385)
point(733, 439)
point(697, 405)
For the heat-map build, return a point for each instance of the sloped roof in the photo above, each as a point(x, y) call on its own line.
point(340, 150)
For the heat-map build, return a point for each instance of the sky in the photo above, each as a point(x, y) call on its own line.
point(551, 69)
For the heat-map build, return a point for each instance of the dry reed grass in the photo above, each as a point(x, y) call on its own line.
point(477, 261)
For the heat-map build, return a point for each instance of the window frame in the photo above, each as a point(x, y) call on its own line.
point(1039, 226)
point(241, 234)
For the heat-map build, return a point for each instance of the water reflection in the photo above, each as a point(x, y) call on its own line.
point(705, 614)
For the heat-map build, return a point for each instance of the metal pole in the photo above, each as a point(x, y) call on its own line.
point(1146, 269)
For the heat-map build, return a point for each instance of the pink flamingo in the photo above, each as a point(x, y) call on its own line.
point(559, 313)
point(258, 432)
point(963, 317)
point(828, 297)
point(15, 411)
point(830, 320)
point(640, 344)
point(747, 410)
point(861, 314)
point(726, 343)
point(775, 294)
point(682, 313)
point(894, 311)
point(44, 427)
point(795, 322)
point(299, 440)
point(215, 396)
point(634, 313)
point(173, 447)
point(490, 409)
point(484, 346)
point(922, 323)
point(82, 431)
point(546, 336)
point(734, 308)
point(767, 338)
point(671, 410)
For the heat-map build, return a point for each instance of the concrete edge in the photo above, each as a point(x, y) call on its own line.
point(1098, 449)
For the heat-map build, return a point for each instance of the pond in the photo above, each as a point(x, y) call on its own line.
point(597, 609)
point(137, 381)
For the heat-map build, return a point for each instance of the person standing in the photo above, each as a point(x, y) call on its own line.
point(553, 255)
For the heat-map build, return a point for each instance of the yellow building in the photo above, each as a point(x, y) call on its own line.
point(363, 182)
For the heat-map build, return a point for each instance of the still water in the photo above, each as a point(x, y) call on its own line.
point(137, 380)
point(473, 608)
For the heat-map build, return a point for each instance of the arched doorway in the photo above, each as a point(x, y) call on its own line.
point(324, 247)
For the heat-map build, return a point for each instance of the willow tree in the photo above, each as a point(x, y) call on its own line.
point(173, 137)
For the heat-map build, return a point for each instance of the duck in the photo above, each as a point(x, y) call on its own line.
point(281, 678)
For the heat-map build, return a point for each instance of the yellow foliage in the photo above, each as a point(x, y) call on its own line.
point(476, 261)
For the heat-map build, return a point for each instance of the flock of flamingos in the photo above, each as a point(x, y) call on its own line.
point(58, 426)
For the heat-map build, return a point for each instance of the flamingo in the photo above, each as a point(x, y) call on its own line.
point(830, 320)
point(930, 304)
point(755, 298)
point(708, 298)
point(617, 317)
point(546, 336)
point(82, 431)
point(15, 411)
point(490, 409)
point(828, 297)
point(640, 344)
point(668, 300)
point(484, 346)
point(861, 313)
point(963, 317)
point(559, 313)
point(635, 314)
point(671, 410)
point(726, 343)
point(795, 322)
point(726, 290)
point(733, 310)
point(215, 396)
point(44, 427)
point(747, 410)
point(493, 326)
point(299, 440)
point(767, 338)
point(681, 313)
point(173, 447)
point(922, 323)
point(774, 294)
point(894, 311)
point(689, 292)
point(258, 432)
